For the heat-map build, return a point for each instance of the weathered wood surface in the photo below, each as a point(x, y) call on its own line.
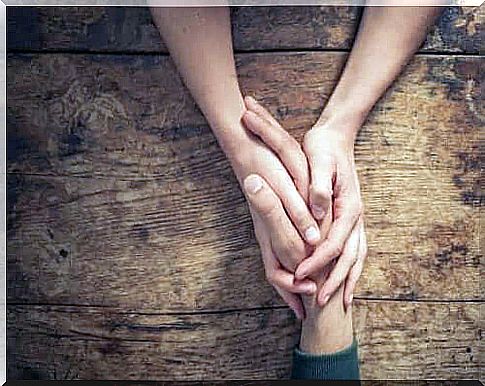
point(123, 211)
point(400, 340)
point(166, 246)
point(158, 211)
point(254, 28)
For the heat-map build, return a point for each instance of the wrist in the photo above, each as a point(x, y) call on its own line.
point(326, 329)
point(233, 139)
point(238, 148)
point(346, 121)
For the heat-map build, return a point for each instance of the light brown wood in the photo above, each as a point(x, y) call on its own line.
point(157, 210)
point(131, 29)
point(399, 340)
point(123, 211)
point(168, 246)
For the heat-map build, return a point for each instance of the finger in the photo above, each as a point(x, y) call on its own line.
point(356, 270)
point(342, 268)
point(294, 302)
point(269, 206)
point(333, 246)
point(285, 240)
point(284, 145)
point(275, 274)
point(286, 281)
point(253, 105)
point(322, 169)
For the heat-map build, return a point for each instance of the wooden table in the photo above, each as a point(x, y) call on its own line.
point(131, 253)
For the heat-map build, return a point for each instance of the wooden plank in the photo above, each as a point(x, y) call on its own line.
point(168, 245)
point(398, 340)
point(130, 116)
point(118, 29)
point(165, 199)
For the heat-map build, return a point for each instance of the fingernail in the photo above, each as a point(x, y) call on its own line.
point(251, 99)
point(309, 288)
point(312, 234)
point(325, 299)
point(253, 184)
point(318, 212)
point(300, 274)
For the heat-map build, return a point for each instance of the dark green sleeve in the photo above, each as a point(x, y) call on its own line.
point(342, 365)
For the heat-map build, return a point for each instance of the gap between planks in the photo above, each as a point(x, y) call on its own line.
point(237, 52)
point(120, 310)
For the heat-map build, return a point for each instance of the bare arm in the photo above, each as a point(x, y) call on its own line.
point(199, 41)
point(386, 40)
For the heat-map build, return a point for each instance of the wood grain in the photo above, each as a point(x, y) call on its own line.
point(123, 211)
point(398, 340)
point(117, 29)
point(158, 209)
point(168, 246)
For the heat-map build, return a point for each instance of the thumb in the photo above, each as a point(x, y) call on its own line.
point(322, 170)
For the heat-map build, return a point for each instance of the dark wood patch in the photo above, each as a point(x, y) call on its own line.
point(122, 29)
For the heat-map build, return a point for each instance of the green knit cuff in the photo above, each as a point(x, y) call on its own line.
point(341, 365)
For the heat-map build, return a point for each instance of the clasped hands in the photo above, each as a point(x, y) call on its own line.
point(305, 204)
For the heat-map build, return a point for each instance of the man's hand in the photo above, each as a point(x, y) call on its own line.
point(289, 181)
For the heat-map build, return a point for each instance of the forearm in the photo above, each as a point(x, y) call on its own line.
point(199, 41)
point(326, 329)
point(386, 40)
point(328, 349)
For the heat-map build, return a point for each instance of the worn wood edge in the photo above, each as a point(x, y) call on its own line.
point(46, 242)
point(403, 341)
point(455, 31)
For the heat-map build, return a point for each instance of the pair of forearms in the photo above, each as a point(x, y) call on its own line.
point(200, 43)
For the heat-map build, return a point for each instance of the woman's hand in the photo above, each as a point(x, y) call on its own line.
point(334, 195)
point(330, 152)
point(289, 181)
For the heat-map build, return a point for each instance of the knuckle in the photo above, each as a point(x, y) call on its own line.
point(269, 210)
point(293, 145)
point(300, 217)
point(309, 139)
point(321, 193)
point(283, 144)
point(297, 253)
point(265, 204)
point(336, 249)
point(290, 246)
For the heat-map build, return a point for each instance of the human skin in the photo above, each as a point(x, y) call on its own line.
point(200, 44)
point(329, 146)
point(325, 329)
point(372, 66)
point(199, 41)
